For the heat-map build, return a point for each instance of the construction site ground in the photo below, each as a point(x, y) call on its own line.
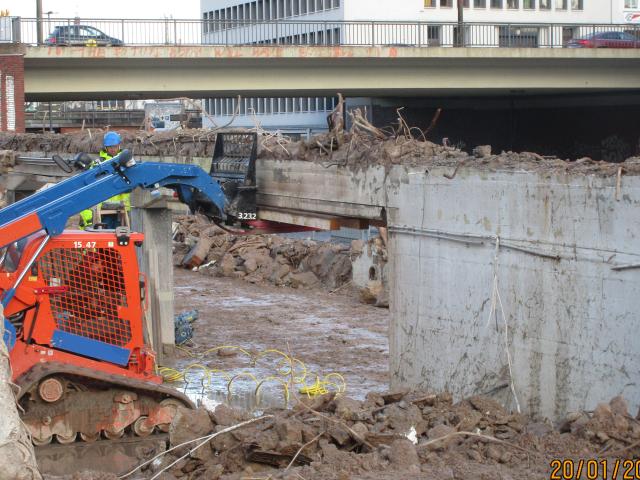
point(329, 332)
point(366, 433)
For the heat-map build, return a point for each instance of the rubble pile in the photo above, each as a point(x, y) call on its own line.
point(358, 151)
point(179, 143)
point(354, 149)
point(390, 435)
point(260, 258)
point(610, 425)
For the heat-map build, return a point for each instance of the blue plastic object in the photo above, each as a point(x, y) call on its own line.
point(183, 327)
point(111, 139)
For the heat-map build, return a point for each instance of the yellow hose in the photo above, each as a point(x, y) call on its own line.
point(291, 372)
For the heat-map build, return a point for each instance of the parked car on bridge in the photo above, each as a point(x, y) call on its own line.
point(80, 35)
point(615, 39)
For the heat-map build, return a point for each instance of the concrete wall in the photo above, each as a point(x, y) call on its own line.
point(572, 321)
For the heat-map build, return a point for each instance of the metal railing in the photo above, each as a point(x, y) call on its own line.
point(89, 118)
point(65, 31)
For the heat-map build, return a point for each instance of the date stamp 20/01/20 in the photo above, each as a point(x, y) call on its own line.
point(594, 469)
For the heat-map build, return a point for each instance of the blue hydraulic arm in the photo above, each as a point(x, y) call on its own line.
point(55, 205)
point(50, 209)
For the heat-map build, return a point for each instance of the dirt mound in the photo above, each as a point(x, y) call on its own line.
point(260, 258)
point(391, 435)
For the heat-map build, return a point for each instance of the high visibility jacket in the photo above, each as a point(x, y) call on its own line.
point(86, 216)
point(124, 198)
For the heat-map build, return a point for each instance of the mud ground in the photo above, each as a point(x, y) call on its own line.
point(329, 332)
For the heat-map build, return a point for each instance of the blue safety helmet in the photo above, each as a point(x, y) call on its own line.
point(111, 139)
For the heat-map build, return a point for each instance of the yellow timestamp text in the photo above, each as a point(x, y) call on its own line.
point(594, 469)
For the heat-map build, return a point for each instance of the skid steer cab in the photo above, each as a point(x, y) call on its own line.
point(82, 300)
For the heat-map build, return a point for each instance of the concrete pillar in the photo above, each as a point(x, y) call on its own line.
point(153, 218)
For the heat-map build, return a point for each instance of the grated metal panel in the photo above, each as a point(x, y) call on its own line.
point(96, 289)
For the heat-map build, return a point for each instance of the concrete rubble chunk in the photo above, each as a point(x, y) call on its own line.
point(619, 405)
point(482, 151)
point(189, 424)
point(227, 416)
point(304, 280)
point(441, 431)
point(289, 431)
point(403, 453)
point(346, 407)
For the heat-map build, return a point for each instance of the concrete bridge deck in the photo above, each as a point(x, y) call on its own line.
point(68, 73)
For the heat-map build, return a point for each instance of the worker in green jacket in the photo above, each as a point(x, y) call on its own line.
point(111, 147)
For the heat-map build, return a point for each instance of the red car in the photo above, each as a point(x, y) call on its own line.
point(605, 40)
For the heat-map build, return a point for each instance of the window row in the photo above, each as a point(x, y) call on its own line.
point(631, 3)
point(328, 37)
point(512, 4)
point(267, 106)
point(264, 10)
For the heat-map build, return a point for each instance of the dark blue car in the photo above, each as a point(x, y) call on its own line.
point(83, 35)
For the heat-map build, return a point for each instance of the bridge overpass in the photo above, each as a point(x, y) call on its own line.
point(152, 71)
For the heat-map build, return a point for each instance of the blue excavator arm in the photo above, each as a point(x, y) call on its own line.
point(50, 209)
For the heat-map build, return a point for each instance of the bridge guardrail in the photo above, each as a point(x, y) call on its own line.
point(285, 32)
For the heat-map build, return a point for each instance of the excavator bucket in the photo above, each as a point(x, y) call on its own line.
point(234, 167)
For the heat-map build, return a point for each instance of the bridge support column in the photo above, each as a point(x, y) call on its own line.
point(12, 93)
point(153, 218)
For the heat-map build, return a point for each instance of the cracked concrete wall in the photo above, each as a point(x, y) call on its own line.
point(572, 318)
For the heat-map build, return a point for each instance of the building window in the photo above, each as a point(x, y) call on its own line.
point(545, 4)
point(630, 3)
point(529, 4)
point(576, 5)
point(496, 3)
point(446, 3)
point(561, 4)
point(303, 7)
point(479, 3)
point(429, 3)
point(513, 4)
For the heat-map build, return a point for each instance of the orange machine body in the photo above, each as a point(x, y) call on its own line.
point(80, 305)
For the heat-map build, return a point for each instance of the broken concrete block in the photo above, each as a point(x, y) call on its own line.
point(403, 453)
point(289, 431)
point(482, 151)
point(227, 265)
point(189, 424)
point(304, 280)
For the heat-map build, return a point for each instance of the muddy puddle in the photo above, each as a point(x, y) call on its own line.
point(330, 335)
point(113, 456)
